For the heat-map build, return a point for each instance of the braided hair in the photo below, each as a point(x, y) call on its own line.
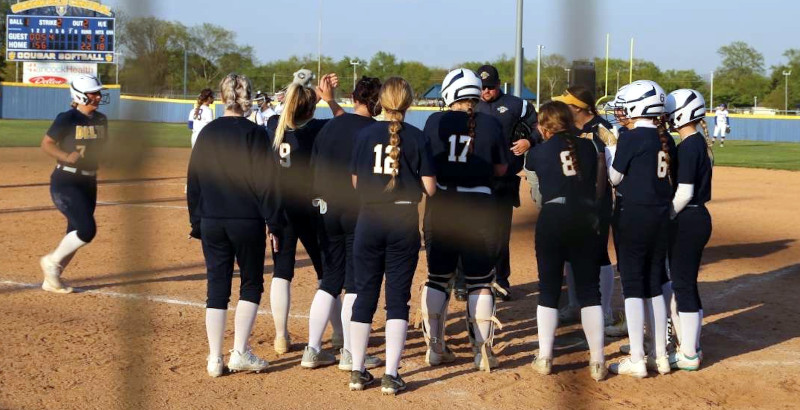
point(201, 99)
point(396, 97)
point(663, 136)
point(709, 142)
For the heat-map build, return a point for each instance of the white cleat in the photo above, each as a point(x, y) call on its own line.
point(629, 368)
point(346, 361)
point(598, 371)
point(215, 366)
point(434, 359)
point(659, 364)
point(282, 345)
point(543, 365)
point(246, 362)
point(680, 361)
point(52, 276)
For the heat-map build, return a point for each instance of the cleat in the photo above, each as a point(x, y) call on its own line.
point(52, 276)
point(346, 361)
point(358, 380)
point(680, 361)
point(659, 364)
point(337, 340)
point(501, 293)
point(629, 368)
point(485, 359)
point(391, 385)
point(215, 366)
point(434, 359)
point(619, 329)
point(282, 345)
point(246, 362)
point(608, 319)
point(542, 365)
point(313, 358)
point(568, 314)
point(461, 295)
point(598, 371)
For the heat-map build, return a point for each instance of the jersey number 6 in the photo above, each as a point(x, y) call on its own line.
point(285, 152)
point(567, 165)
point(379, 158)
point(663, 166)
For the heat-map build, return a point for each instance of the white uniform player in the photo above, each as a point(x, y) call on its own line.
point(721, 124)
point(198, 118)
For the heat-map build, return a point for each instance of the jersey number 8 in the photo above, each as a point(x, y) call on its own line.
point(462, 139)
point(285, 152)
point(663, 166)
point(379, 158)
point(567, 164)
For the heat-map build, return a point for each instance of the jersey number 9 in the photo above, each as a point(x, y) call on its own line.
point(285, 153)
point(567, 165)
point(462, 139)
point(663, 166)
point(387, 161)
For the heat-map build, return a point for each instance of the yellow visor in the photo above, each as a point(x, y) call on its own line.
point(570, 99)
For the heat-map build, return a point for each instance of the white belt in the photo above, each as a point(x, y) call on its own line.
point(476, 190)
point(73, 170)
point(560, 200)
point(404, 202)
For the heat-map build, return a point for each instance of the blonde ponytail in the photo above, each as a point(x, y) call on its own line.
point(299, 105)
point(709, 141)
point(395, 98)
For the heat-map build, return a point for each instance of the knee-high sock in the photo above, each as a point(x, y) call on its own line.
point(547, 323)
point(481, 307)
point(607, 289)
point(433, 303)
point(659, 309)
point(395, 343)
point(318, 316)
point(593, 325)
point(572, 291)
point(690, 325)
point(347, 313)
point(280, 298)
point(699, 328)
point(68, 246)
point(245, 317)
point(336, 317)
point(634, 316)
point(359, 338)
point(215, 330)
point(672, 313)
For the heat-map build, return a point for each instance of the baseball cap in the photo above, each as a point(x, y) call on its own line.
point(570, 99)
point(489, 76)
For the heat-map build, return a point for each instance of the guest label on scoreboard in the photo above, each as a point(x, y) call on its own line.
point(55, 38)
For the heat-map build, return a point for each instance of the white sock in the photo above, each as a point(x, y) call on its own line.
point(607, 289)
point(318, 317)
point(690, 325)
point(481, 307)
point(359, 339)
point(433, 302)
point(699, 328)
point(547, 323)
point(395, 343)
point(68, 246)
point(593, 325)
point(347, 313)
point(659, 309)
point(215, 330)
point(336, 316)
point(634, 316)
point(572, 292)
point(245, 317)
point(279, 299)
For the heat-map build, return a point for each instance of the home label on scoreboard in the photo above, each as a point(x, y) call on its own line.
point(62, 39)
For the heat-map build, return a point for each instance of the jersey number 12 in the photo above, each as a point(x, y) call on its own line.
point(386, 161)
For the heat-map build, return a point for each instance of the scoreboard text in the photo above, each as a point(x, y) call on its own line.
point(53, 38)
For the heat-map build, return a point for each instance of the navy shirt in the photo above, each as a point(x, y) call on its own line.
point(331, 156)
point(75, 131)
point(557, 172)
point(694, 167)
point(373, 166)
point(448, 133)
point(296, 179)
point(509, 109)
point(646, 168)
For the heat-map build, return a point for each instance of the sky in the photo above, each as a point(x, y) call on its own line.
point(675, 34)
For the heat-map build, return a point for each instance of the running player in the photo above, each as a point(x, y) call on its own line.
point(292, 136)
point(201, 114)
point(566, 168)
point(691, 227)
point(722, 124)
point(75, 140)
point(641, 169)
point(391, 168)
point(338, 205)
point(468, 150)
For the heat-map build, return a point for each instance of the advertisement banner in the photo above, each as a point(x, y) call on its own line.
point(55, 73)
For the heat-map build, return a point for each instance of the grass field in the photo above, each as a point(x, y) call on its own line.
point(748, 154)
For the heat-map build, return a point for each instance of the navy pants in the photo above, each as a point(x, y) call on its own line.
point(75, 196)
point(690, 232)
point(226, 241)
point(303, 224)
point(386, 243)
point(338, 235)
point(605, 217)
point(564, 234)
point(643, 243)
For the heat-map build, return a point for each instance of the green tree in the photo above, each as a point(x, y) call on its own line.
point(776, 97)
point(741, 76)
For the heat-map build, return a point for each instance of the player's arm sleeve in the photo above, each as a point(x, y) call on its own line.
point(59, 128)
point(531, 118)
point(264, 179)
point(683, 196)
point(193, 193)
point(621, 157)
point(426, 165)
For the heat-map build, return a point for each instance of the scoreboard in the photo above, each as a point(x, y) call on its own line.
point(63, 39)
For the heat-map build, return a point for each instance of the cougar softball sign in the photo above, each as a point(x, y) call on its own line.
point(55, 73)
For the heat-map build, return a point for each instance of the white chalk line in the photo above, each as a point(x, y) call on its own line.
point(137, 296)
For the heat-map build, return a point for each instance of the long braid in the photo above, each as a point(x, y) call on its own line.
point(709, 142)
point(663, 136)
point(573, 155)
point(395, 126)
point(471, 128)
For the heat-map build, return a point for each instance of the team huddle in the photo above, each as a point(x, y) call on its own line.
point(349, 188)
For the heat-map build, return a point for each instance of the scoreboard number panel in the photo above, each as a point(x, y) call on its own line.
point(54, 38)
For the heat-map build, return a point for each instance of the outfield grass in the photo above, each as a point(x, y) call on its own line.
point(749, 154)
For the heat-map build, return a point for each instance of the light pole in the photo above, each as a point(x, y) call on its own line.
point(518, 60)
point(755, 101)
point(630, 72)
point(712, 90)
point(319, 43)
point(539, 49)
point(786, 75)
point(568, 79)
point(355, 64)
point(185, 68)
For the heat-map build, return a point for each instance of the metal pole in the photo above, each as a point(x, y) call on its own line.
point(618, 80)
point(319, 43)
point(185, 68)
point(538, 73)
point(355, 76)
point(630, 74)
point(608, 40)
point(16, 73)
point(518, 62)
point(786, 75)
point(568, 79)
point(273, 83)
point(712, 90)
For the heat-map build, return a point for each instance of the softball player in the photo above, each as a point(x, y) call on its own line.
point(75, 140)
point(641, 168)
point(334, 194)
point(201, 114)
point(292, 136)
point(391, 168)
point(231, 194)
point(566, 167)
point(691, 226)
point(469, 151)
point(265, 111)
point(722, 124)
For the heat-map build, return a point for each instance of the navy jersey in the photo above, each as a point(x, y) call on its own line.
point(557, 172)
point(373, 166)
point(294, 159)
point(509, 110)
point(694, 167)
point(331, 157)
point(448, 133)
point(646, 168)
point(75, 131)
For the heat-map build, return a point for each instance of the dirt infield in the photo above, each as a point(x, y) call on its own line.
point(134, 336)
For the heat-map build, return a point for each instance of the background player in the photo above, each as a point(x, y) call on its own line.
point(201, 114)
point(75, 140)
point(722, 124)
point(469, 151)
point(391, 168)
point(265, 111)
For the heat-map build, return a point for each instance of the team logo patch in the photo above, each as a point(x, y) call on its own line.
point(502, 109)
point(484, 75)
point(61, 10)
point(12, 55)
